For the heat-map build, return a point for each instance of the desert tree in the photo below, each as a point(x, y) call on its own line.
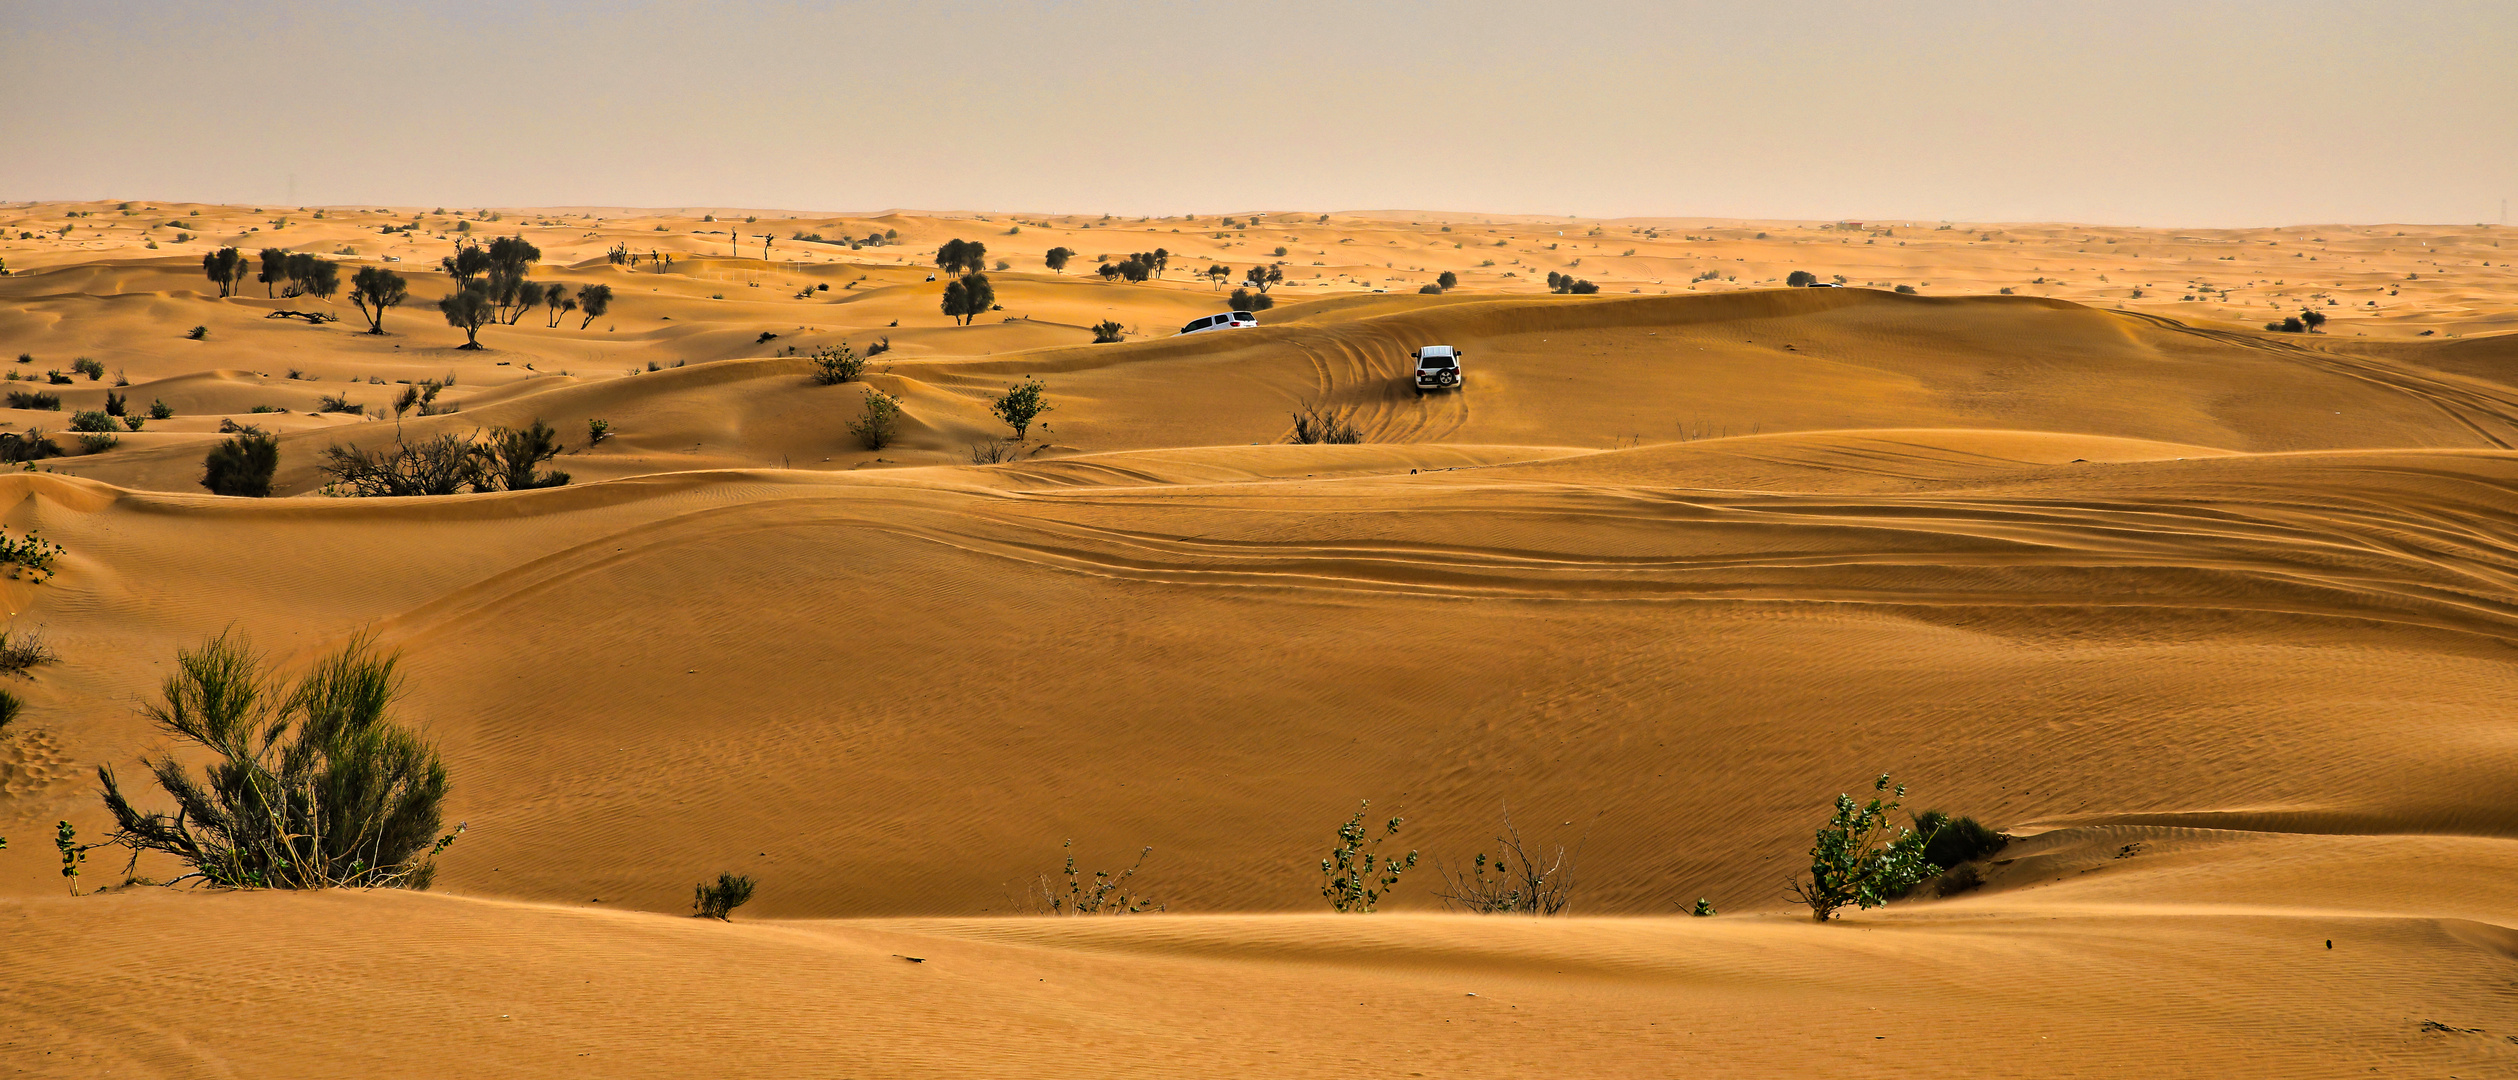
point(510, 259)
point(962, 257)
point(1858, 859)
point(1263, 278)
point(2313, 318)
point(1218, 274)
point(1159, 260)
point(312, 276)
point(1108, 271)
point(226, 266)
point(468, 309)
point(275, 269)
point(466, 265)
point(881, 421)
point(374, 289)
point(310, 786)
point(968, 297)
point(1021, 404)
point(241, 466)
point(1057, 258)
point(593, 300)
point(1448, 281)
point(718, 899)
point(556, 303)
point(1801, 279)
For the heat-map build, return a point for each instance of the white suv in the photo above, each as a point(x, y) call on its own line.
point(1230, 320)
point(1437, 368)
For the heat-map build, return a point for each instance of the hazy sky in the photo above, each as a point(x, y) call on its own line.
point(2187, 113)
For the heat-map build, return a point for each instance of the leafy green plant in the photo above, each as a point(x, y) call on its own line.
point(1106, 894)
point(1021, 404)
point(1704, 908)
point(66, 839)
point(718, 899)
point(315, 785)
point(835, 365)
point(90, 368)
point(92, 420)
point(597, 431)
point(1356, 875)
point(31, 554)
point(881, 422)
point(1857, 858)
point(98, 442)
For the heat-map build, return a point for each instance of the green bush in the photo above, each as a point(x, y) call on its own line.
point(313, 786)
point(1950, 841)
point(1856, 858)
point(241, 466)
point(1107, 331)
point(92, 420)
point(1801, 279)
point(89, 368)
point(1356, 875)
point(833, 366)
point(511, 456)
point(1021, 404)
point(34, 399)
point(881, 422)
point(718, 899)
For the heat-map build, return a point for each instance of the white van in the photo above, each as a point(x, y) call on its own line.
point(1230, 320)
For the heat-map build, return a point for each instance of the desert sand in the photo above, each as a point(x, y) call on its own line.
point(2217, 622)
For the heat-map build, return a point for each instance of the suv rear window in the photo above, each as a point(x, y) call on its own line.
point(1435, 361)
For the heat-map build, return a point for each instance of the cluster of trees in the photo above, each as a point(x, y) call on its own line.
point(2306, 322)
point(491, 285)
point(226, 266)
point(305, 275)
point(962, 257)
point(968, 297)
point(1566, 283)
point(1801, 279)
point(1138, 266)
point(1443, 284)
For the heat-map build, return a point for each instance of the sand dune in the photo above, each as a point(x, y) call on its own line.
point(2218, 622)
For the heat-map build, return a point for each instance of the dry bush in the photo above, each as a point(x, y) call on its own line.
point(1518, 880)
point(718, 899)
point(19, 652)
point(1322, 424)
point(995, 451)
point(1106, 894)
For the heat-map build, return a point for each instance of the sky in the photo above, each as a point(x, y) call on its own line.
point(2196, 113)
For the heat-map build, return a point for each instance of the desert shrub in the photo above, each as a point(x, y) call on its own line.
point(134, 423)
point(89, 368)
point(1356, 875)
point(160, 410)
point(34, 399)
point(313, 786)
point(10, 707)
point(1107, 331)
point(116, 404)
point(197, 333)
point(1518, 880)
point(1431, 290)
point(1446, 279)
point(1021, 404)
point(718, 899)
point(1801, 279)
point(995, 451)
point(1704, 909)
point(1106, 894)
point(511, 456)
point(20, 651)
point(241, 466)
point(882, 346)
point(1856, 858)
point(339, 403)
point(260, 409)
point(56, 378)
point(765, 338)
point(1906, 289)
point(881, 422)
point(1322, 424)
point(833, 366)
point(1246, 300)
point(91, 420)
point(16, 448)
point(2006, 290)
point(97, 442)
point(597, 431)
point(1950, 841)
point(444, 465)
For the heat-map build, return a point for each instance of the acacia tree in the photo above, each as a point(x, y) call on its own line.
point(1448, 281)
point(1264, 277)
point(968, 297)
point(556, 302)
point(1801, 279)
point(510, 258)
point(962, 257)
point(1218, 274)
point(225, 266)
point(468, 309)
point(374, 289)
point(312, 276)
point(466, 264)
point(594, 300)
point(1057, 259)
point(275, 268)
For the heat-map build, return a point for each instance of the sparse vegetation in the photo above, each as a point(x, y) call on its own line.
point(315, 785)
point(241, 466)
point(833, 365)
point(1356, 875)
point(1106, 894)
point(1323, 424)
point(1107, 331)
point(20, 651)
point(597, 431)
point(1858, 859)
point(1518, 880)
point(880, 423)
point(718, 899)
point(1021, 404)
